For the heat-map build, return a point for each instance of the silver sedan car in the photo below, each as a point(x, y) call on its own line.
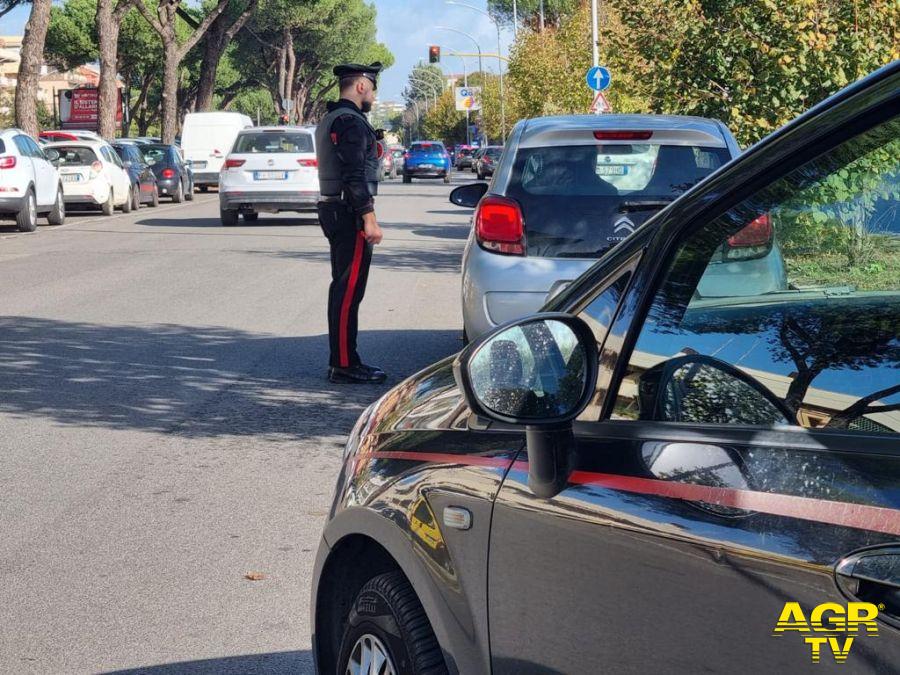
point(567, 189)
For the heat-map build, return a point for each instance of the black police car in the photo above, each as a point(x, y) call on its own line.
point(645, 480)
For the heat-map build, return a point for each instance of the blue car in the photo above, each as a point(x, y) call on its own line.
point(426, 159)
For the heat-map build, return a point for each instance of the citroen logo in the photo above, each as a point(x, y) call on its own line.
point(623, 223)
point(271, 162)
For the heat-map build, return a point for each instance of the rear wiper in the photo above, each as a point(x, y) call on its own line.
point(644, 205)
point(584, 254)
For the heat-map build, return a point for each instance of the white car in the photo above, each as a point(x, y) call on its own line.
point(270, 169)
point(29, 183)
point(206, 138)
point(92, 174)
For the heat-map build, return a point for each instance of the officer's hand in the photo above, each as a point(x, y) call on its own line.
point(371, 230)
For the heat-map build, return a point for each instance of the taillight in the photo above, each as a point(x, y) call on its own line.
point(405, 155)
point(7, 162)
point(308, 162)
point(499, 226)
point(233, 163)
point(610, 135)
point(752, 241)
point(96, 168)
point(168, 173)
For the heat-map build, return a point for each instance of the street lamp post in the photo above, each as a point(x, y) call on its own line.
point(475, 42)
point(499, 61)
point(434, 91)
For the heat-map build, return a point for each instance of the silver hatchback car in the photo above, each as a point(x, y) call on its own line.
point(567, 189)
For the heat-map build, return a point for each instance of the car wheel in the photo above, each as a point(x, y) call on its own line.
point(178, 197)
point(447, 177)
point(137, 199)
point(407, 178)
point(388, 626)
point(204, 188)
point(154, 201)
point(229, 217)
point(26, 218)
point(189, 193)
point(109, 206)
point(128, 203)
point(250, 217)
point(58, 215)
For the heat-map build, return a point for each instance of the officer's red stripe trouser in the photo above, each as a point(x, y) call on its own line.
point(349, 294)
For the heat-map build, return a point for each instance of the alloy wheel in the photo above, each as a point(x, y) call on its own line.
point(369, 656)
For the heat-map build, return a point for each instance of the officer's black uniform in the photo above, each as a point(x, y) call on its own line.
point(347, 152)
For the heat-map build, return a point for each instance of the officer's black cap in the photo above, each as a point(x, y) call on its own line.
point(369, 72)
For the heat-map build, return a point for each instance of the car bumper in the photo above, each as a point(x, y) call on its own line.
point(500, 288)
point(426, 172)
point(206, 178)
point(269, 201)
point(11, 204)
point(167, 186)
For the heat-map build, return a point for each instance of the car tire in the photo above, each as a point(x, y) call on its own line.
point(229, 217)
point(251, 217)
point(387, 616)
point(407, 178)
point(128, 203)
point(109, 206)
point(57, 215)
point(189, 194)
point(26, 218)
point(154, 201)
point(447, 177)
point(178, 197)
point(204, 188)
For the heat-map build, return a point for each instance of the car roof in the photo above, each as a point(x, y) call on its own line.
point(427, 142)
point(251, 130)
point(669, 129)
point(81, 142)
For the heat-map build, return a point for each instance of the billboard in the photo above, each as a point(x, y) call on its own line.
point(78, 108)
point(468, 98)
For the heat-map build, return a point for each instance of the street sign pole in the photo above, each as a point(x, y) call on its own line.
point(595, 56)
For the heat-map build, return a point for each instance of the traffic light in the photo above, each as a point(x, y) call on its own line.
point(434, 54)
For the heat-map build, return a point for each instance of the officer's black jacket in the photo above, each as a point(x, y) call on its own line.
point(352, 138)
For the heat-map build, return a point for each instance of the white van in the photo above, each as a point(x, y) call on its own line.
point(205, 140)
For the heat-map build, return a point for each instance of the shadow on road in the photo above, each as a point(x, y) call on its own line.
point(195, 381)
point(405, 259)
point(275, 663)
point(265, 220)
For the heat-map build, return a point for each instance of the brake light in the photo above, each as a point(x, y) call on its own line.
point(96, 168)
point(168, 173)
point(752, 241)
point(233, 163)
point(7, 162)
point(308, 162)
point(499, 226)
point(610, 135)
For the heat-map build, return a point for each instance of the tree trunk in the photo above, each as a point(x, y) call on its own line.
point(213, 48)
point(170, 94)
point(108, 43)
point(32, 58)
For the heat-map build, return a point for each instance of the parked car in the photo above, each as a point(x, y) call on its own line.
point(426, 159)
point(51, 136)
point(568, 189)
point(206, 138)
point(174, 176)
point(143, 180)
point(270, 169)
point(463, 156)
point(29, 183)
point(92, 175)
point(475, 157)
point(397, 152)
point(388, 166)
point(487, 161)
point(638, 479)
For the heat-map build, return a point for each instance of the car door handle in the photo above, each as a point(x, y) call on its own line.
point(873, 575)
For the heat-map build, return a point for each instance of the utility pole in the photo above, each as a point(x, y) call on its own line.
point(542, 16)
point(595, 56)
point(515, 19)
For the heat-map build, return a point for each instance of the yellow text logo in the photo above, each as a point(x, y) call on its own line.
point(831, 627)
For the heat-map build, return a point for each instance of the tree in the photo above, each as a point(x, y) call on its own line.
point(219, 36)
point(529, 11)
point(110, 14)
point(444, 122)
point(32, 58)
point(164, 23)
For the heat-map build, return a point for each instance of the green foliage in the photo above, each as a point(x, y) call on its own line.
point(529, 11)
point(249, 101)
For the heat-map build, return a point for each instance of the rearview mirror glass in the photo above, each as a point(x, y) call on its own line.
point(468, 195)
point(537, 371)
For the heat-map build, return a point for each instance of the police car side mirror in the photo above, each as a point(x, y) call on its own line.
point(539, 372)
point(468, 195)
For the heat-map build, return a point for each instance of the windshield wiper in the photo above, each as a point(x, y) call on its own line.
point(644, 205)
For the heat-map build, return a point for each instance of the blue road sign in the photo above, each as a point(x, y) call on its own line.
point(598, 78)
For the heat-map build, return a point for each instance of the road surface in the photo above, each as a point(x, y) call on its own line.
point(166, 427)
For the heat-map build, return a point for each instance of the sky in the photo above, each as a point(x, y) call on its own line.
point(407, 27)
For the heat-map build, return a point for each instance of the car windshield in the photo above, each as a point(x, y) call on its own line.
point(75, 156)
point(465, 152)
point(579, 200)
point(153, 154)
point(274, 142)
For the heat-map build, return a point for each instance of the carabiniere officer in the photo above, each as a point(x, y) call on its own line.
point(347, 152)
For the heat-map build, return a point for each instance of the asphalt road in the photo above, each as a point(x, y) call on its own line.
point(166, 426)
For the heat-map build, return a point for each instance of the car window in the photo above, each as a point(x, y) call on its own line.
point(113, 157)
point(786, 309)
point(580, 200)
point(34, 150)
point(75, 156)
point(22, 146)
point(274, 142)
point(153, 154)
point(2, 146)
point(427, 147)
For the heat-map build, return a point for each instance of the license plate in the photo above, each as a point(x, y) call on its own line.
point(198, 165)
point(270, 175)
point(426, 166)
point(612, 170)
point(71, 177)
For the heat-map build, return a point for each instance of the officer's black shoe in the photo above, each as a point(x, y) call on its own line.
point(375, 370)
point(356, 375)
